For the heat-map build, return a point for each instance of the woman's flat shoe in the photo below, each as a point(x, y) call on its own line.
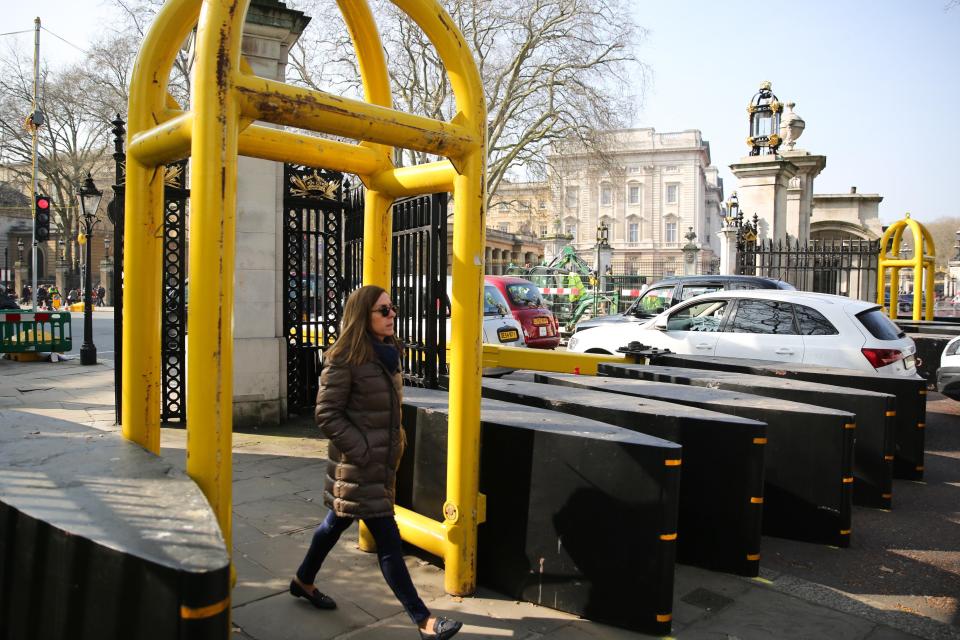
point(317, 599)
point(443, 628)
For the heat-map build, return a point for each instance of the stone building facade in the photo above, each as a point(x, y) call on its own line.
point(647, 188)
point(845, 216)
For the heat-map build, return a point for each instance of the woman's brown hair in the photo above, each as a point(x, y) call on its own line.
point(353, 346)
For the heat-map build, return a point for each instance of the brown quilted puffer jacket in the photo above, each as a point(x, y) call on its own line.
point(358, 408)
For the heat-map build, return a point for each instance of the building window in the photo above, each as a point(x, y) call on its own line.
point(671, 169)
point(633, 232)
point(632, 168)
point(670, 233)
point(672, 190)
point(633, 194)
point(504, 226)
point(572, 195)
point(571, 230)
point(504, 206)
point(543, 231)
point(543, 204)
point(606, 195)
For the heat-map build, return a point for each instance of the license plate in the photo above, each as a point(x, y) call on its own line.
point(910, 362)
point(541, 321)
point(543, 331)
point(508, 335)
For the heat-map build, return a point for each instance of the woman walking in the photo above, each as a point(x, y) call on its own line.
point(358, 408)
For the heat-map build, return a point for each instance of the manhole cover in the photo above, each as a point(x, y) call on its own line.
point(706, 599)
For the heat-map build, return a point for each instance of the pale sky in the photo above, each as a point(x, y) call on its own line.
point(877, 81)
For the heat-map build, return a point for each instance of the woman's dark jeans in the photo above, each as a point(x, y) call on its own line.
point(389, 551)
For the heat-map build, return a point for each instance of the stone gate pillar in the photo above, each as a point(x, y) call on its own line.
point(728, 250)
point(106, 279)
point(259, 360)
point(762, 183)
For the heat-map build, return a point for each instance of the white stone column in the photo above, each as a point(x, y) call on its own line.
point(728, 250)
point(259, 359)
point(106, 279)
point(762, 189)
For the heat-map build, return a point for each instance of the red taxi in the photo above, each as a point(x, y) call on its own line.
point(540, 329)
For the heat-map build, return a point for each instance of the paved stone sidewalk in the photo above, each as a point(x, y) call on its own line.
point(277, 503)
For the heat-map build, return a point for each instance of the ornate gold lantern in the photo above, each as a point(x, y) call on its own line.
point(764, 110)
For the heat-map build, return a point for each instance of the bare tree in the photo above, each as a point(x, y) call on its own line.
point(73, 141)
point(553, 71)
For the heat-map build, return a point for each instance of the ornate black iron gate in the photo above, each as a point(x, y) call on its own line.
point(419, 274)
point(173, 286)
point(846, 267)
point(315, 204)
point(418, 281)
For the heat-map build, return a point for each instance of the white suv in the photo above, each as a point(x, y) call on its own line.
point(771, 324)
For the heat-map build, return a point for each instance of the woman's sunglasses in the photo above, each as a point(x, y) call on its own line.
point(385, 309)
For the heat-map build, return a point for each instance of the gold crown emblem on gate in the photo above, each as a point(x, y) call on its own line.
point(314, 186)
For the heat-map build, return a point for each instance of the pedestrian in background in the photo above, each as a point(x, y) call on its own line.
point(358, 408)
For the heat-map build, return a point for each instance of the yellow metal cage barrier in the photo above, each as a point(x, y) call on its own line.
point(922, 264)
point(226, 101)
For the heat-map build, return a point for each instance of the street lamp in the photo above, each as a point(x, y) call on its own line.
point(20, 250)
point(603, 237)
point(733, 209)
point(61, 249)
point(106, 247)
point(89, 202)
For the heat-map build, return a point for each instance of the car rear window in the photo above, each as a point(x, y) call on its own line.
point(525, 295)
point(812, 322)
point(763, 316)
point(879, 325)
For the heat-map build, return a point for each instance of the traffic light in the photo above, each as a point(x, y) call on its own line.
point(41, 220)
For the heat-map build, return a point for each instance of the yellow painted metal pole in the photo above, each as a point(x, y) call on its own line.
point(918, 280)
point(377, 211)
point(258, 141)
point(280, 103)
point(212, 255)
point(433, 177)
point(163, 143)
point(463, 438)
point(140, 413)
point(462, 509)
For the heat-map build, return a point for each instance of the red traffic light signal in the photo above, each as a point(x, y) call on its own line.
point(41, 218)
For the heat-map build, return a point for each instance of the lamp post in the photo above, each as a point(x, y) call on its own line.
point(733, 209)
point(603, 236)
point(89, 202)
point(19, 249)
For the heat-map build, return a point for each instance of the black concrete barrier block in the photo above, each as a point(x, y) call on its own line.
point(907, 443)
point(719, 522)
point(807, 457)
point(100, 539)
point(581, 515)
point(874, 434)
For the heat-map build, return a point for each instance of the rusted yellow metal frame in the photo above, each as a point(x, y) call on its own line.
point(226, 98)
point(922, 263)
